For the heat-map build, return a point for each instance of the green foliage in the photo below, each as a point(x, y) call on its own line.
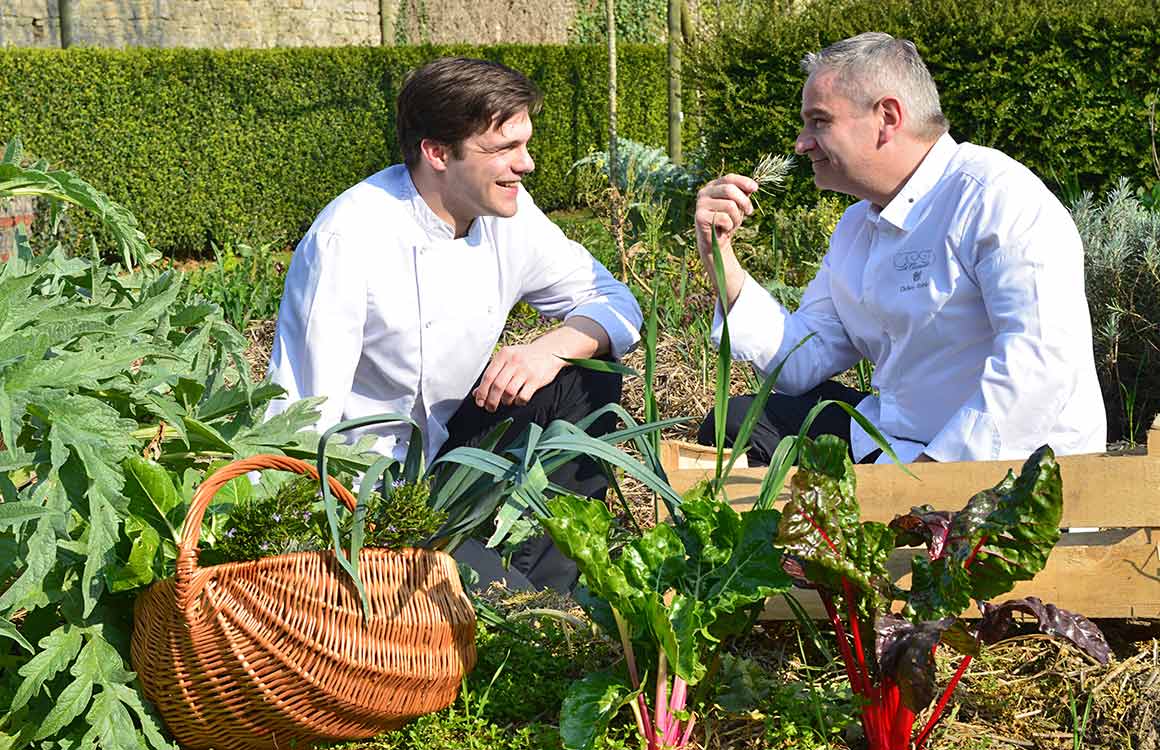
point(244, 281)
point(1121, 240)
point(637, 22)
point(281, 522)
point(1058, 85)
point(113, 399)
point(403, 518)
point(677, 591)
point(787, 244)
point(646, 177)
point(524, 674)
point(244, 145)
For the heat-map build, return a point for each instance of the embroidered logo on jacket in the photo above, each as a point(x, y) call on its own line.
point(912, 260)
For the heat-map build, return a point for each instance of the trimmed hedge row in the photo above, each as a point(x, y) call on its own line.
point(1059, 85)
point(251, 144)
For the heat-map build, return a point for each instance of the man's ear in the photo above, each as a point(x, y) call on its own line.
point(892, 118)
point(435, 153)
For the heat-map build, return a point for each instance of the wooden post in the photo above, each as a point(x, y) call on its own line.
point(614, 191)
point(675, 115)
point(65, 10)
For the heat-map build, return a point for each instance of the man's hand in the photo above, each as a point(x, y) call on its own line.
point(514, 374)
point(722, 206)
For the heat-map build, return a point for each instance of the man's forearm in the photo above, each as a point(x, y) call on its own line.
point(577, 338)
point(734, 279)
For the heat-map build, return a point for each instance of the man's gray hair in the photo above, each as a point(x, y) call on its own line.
point(872, 65)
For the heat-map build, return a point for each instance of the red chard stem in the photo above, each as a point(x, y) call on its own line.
point(942, 703)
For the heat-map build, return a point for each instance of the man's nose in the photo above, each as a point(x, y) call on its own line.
point(525, 164)
point(804, 143)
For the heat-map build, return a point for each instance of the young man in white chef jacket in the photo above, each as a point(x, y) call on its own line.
point(397, 295)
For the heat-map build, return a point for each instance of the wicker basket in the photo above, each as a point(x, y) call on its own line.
point(275, 653)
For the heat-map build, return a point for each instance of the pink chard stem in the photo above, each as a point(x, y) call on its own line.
point(688, 731)
point(662, 699)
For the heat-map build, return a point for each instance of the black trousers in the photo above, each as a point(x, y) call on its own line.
point(783, 415)
point(574, 394)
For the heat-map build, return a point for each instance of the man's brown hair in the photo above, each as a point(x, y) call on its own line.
point(453, 98)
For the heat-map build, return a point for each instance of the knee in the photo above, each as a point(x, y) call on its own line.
point(601, 388)
point(707, 432)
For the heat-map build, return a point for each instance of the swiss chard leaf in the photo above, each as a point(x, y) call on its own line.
point(579, 527)
point(1011, 532)
point(676, 624)
point(752, 573)
point(588, 707)
point(1002, 536)
point(820, 524)
point(924, 526)
point(1059, 623)
point(905, 653)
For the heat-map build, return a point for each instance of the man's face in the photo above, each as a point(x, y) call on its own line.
point(487, 173)
point(839, 137)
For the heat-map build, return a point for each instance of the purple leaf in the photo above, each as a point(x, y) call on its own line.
point(926, 526)
point(905, 653)
point(1060, 623)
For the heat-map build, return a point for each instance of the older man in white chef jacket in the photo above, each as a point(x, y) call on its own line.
point(957, 274)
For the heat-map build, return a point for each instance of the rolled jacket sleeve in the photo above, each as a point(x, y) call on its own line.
point(562, 280)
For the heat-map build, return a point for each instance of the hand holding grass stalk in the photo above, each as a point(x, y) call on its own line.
point(770, 173)
point(722, 206)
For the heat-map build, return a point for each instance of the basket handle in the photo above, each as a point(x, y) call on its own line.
point(191, 530)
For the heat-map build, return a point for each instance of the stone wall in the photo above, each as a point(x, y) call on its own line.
point(193, 23)
point(483, 21)
point(286, 23)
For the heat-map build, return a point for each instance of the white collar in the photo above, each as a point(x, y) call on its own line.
point(900, 211)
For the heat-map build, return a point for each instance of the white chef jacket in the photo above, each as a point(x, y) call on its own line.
point(967, 293)
point(384, 310)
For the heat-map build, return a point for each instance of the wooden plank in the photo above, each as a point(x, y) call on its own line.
point(1111, 573)
point(1116, 580)
point(677, 454)
point(1098, 490)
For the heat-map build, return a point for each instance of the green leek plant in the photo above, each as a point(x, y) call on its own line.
point(477, 485)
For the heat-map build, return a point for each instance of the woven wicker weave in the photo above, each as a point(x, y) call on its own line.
point(275, 653)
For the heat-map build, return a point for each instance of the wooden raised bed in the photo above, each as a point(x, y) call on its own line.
point(1111, 569)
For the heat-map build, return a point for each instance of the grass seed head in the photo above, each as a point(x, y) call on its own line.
point(772, 170)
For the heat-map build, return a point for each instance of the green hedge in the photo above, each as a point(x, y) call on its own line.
point(250, 144)
point(1060, 86)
